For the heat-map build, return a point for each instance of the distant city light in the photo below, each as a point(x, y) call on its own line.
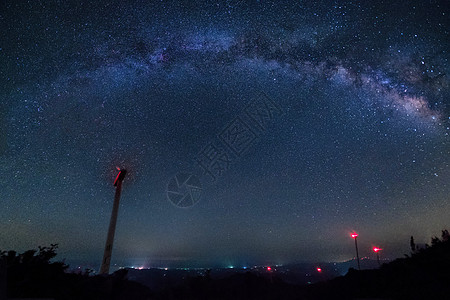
point(269, 269)
point(319, 270)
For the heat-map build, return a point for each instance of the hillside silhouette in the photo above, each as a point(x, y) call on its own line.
point(423, 274)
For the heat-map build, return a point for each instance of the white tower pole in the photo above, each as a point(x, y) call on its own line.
point(112, 224)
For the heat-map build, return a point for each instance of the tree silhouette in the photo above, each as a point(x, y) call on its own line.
point(412, 245)
point(32, 274)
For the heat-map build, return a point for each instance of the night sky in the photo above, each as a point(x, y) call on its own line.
point(325, 118)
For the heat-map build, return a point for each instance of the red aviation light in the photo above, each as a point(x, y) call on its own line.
point(120, 176)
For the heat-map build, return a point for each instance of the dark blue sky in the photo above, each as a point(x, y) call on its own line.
point(359, 139)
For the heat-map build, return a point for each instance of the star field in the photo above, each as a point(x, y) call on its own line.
point(362, 143)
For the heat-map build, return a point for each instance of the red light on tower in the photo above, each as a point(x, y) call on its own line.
point(354, 235)
point(269, 269)
point(120, 176)
point(319, 270)
point(376, 250)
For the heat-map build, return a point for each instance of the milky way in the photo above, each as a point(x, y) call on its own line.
point(362, 144)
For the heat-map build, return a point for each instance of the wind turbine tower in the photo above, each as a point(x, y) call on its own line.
point(112, 223)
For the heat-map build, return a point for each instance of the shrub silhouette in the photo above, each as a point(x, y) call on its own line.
point(31, 274)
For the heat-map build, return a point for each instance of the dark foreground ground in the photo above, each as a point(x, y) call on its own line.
point(423, 275)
